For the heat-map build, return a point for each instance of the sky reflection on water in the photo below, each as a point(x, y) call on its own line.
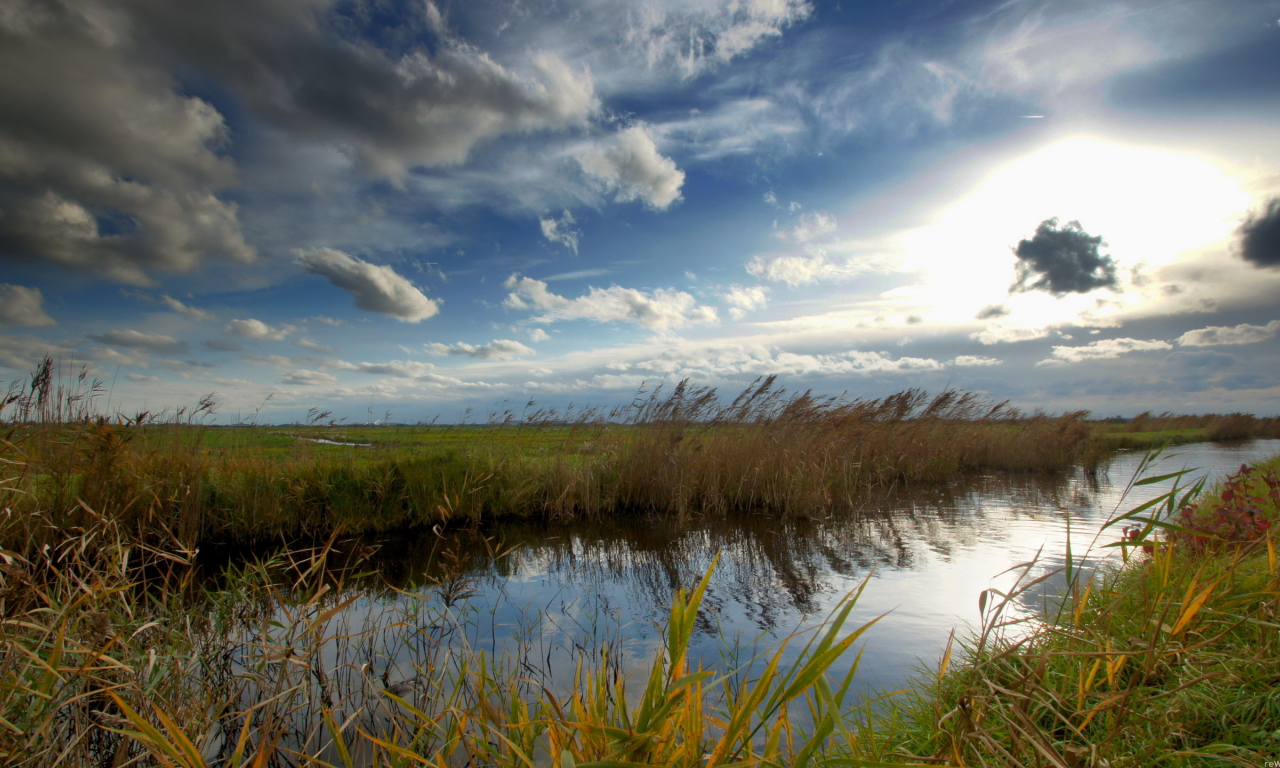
point(930, 552)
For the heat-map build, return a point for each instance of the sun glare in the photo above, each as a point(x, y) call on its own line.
point(1149, 205)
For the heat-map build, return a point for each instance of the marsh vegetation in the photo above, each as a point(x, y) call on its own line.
point(119, 647)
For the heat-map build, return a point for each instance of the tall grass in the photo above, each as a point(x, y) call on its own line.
point(1171, 659)
point(668, 453)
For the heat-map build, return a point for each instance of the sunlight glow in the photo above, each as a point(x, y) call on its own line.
point(1150, 206)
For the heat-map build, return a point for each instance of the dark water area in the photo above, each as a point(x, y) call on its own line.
point(928, 552)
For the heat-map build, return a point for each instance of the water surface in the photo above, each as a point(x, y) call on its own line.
point(929, 554)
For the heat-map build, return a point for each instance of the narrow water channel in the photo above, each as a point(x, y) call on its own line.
point(929, 553)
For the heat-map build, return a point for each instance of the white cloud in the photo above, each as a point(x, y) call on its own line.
point(375, 288)
point(997, 333)
point(312, 346)
point(151, 342)
point(256, 329)
point(630, 165)
point(718, 361)
point(139, 378)
point(537, 334)
point(1240, 334)
point(185, 309)
point(561, 230)
point(793, 268)
point(742, 300)
point(811, 224)
point(695, 36)
point(20, 305)
point(658, 310)
point(304, 377)
point(498, 349)
point(1106, 349)
point(970, 361)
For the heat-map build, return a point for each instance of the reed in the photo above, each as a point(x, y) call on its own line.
point(1171, 658)
point(676, 452)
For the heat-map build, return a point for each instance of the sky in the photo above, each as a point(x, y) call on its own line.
point(428, 209)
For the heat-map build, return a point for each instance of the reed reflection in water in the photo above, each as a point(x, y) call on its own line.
point(932, 550)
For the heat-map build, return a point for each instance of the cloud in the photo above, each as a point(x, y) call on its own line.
point(631, 165)
point(1218, 335)
point(758, 360)
point(498, 349)
point(139, 378)
point(1260, 236)
point(300, 66)
point(811, 224)
point(20, 305)
point(1062, 260)
point(793, 268)
point(992, 311)
point(561, 230)
point(1106, 349)
point(256, 329)
point(401, 369)
point(184, 309)
point(375, 288)
point(221, 345)
point(304, 377)
point(658, 310)
point(695, 36)
point(312, 346)
point(972, 361)
point(22, 352)
point(105, 165)
point(997, 333)
point(151, 342)
point(537, 334)
point(742, 300)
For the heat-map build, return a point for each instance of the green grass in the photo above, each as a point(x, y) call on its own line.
point(1144, 441)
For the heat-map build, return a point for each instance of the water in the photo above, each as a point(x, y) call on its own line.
point(929, 553)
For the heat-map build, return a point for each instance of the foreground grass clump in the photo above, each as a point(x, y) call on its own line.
point(677, 453)
point(1172, 659)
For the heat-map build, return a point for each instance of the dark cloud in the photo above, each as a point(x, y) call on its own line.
point(992, 311)
point(1260, 236)
point(305, 66)
point(1062, 260)
point(109, 163)
point(105, 165)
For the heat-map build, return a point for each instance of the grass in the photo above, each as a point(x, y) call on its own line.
point(678, 452)
point(1170, 659)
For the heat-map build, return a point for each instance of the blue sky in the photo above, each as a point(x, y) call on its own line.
point(424, 207)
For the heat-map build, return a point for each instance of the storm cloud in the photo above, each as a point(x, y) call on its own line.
point(1062, 260)
point(1260, 236)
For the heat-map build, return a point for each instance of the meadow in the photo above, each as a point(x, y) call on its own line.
point(116, 649)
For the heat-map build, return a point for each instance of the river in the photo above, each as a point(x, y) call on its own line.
point(929, 553)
